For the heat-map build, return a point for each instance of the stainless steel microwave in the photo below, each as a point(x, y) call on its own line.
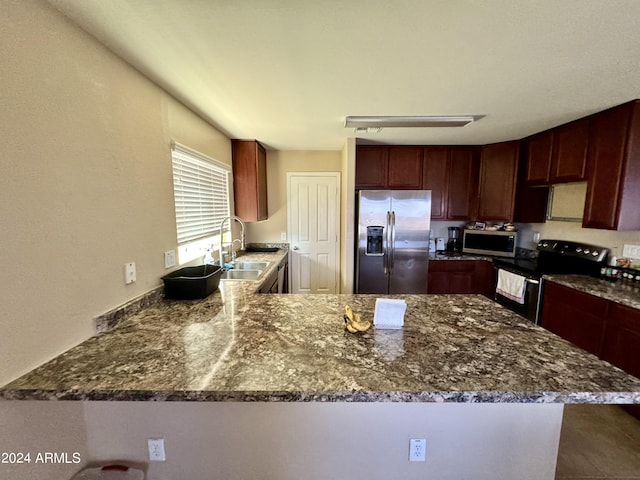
point(488, 242)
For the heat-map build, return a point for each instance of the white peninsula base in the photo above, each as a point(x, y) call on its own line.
point(290, 441)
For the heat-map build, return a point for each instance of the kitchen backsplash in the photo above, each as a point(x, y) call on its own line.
point(439, 229)
point(558, 231)
point(574, 231)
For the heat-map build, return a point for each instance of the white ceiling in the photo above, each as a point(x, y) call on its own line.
point(287, 72)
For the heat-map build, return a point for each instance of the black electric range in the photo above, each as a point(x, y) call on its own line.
point(554, 256)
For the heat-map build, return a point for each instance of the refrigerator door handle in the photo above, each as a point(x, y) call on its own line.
point(385, 248)
point(393, 242)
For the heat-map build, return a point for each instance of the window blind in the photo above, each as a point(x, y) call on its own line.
point(201, 191)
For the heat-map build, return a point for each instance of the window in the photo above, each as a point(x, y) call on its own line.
point(201, 192)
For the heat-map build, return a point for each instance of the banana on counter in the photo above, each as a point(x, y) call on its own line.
point(353, 323)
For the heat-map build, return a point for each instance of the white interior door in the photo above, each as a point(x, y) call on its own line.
point(313, 204)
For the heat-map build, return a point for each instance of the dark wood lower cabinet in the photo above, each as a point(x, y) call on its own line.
point(574, 316)
point(607, 329)
point(272, 284)
point(461, 276)
point(622, 338)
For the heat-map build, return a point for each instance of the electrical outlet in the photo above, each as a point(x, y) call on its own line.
point(283, 235)
point(417, 449)
point(129, 272)
point(156, 449)
point(169, 259)
point(631, 251)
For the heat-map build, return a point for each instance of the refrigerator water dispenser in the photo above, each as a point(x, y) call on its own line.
point(374, 240)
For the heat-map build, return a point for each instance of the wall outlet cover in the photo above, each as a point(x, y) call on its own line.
point(156, 449)
point(417, 449)
point(631, 251)
point(129, 272)
point(169, 259)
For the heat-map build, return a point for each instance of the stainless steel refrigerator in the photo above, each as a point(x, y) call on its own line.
point(393, 241)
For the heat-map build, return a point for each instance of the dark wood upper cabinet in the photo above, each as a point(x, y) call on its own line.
point(497, 187)
point(462, 194)
point(392, 167)
point(558, 155)
point(405, 168)
point(613, 169)
point(569, 159)
point(249, 180)
point(435, 177)
point(538, 150)
point(503, 185)
point(372, 165)
point(531, 202)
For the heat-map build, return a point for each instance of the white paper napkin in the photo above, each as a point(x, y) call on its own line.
point(389, 313)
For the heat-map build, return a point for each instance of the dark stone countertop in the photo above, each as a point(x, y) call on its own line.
point(462, 256)
point(237, 345)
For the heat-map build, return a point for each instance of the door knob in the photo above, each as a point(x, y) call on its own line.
point(295, 248)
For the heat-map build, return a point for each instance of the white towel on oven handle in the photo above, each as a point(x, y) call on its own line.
point(511, 286)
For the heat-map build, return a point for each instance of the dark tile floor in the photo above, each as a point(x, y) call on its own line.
point(598, 442)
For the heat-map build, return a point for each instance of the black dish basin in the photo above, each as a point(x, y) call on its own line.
point(261, 249)
point(192, 282)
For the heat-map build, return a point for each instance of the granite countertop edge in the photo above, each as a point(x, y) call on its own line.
point(356, 396)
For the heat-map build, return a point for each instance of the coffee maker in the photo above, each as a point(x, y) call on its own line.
point(454, 244)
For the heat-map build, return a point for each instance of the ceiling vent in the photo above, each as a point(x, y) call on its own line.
point(367, 129)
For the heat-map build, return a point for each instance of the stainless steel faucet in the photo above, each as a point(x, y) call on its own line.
point(242, 237)
point(233, 252)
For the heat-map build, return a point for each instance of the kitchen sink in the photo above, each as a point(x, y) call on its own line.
point(241, 274)
point(251, 265)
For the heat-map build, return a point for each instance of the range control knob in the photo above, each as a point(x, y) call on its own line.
point(595, 253)
point(586, 251)
point(578, 250)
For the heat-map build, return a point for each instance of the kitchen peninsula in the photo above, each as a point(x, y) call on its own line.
point(453, 348)
point(460, 366)
point(239, 345)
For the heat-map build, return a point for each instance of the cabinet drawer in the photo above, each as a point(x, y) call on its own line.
point(624, 317)
point(452, 265)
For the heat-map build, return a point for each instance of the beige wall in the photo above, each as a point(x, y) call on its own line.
point(317, 441)
point(574, 231)
point(287, 441)
point(39, 427)
point(347, 216)
point(86, 182)
point(278, 164)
